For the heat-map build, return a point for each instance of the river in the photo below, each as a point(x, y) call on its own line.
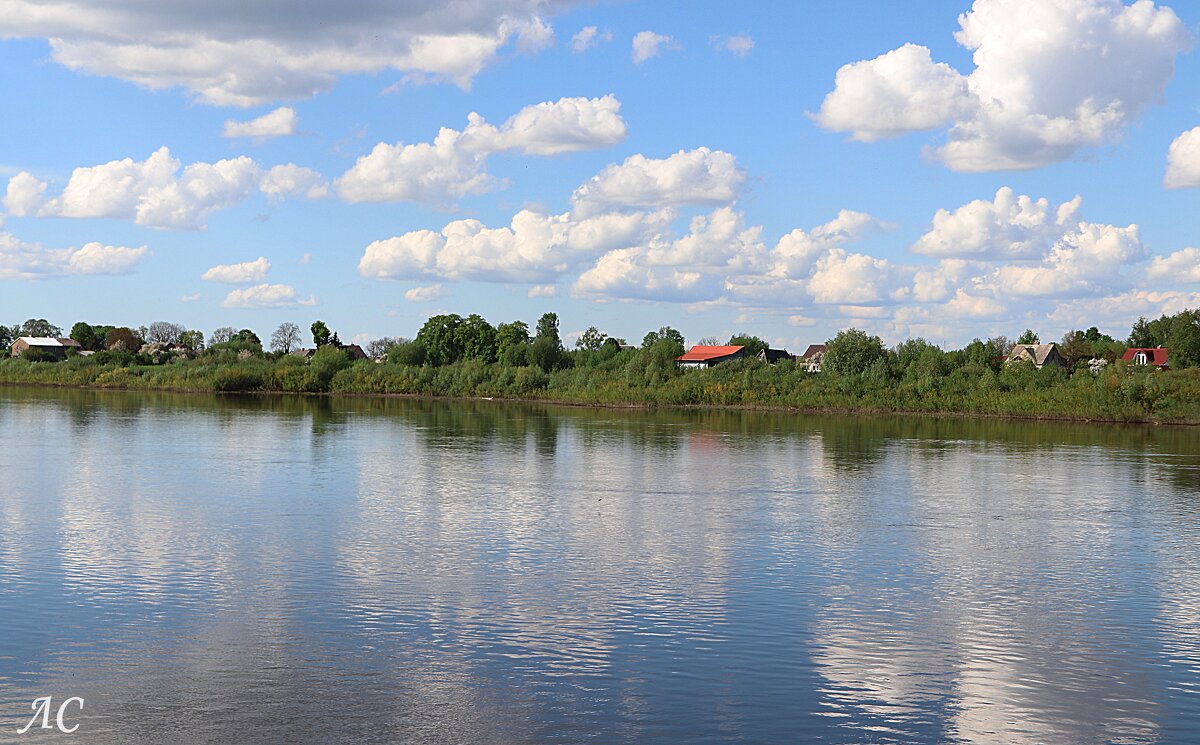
point(316, 570)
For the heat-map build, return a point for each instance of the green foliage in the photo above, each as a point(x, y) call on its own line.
point(852, 352)
point(408, 353)
point(476, 338)
point(666, 332)
point(320, 334)
point(546, 354)
point(248, 337)
point(441, 340)
point(36, 354)
point(547, 328)
point(39, 327)
point(6, 337)
point(327, 362)
point(591, 340)
point(84, 334)
point(753, 344)
point(1028, 337)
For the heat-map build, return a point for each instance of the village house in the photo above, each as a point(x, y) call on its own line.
point(774, 356)
point(57, 347)
point(1153, 356)
point(1039, 354)
point(700, 357)
point(811, 360)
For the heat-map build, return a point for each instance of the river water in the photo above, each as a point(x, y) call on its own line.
point(233, 569)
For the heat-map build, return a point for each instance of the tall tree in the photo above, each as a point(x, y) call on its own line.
point(547, 328)
point(439, 337)
point(84, 334)
point(6, 337)
point(164, 332)
point(851, 352)
point(122, 338)
point(286, 338)
point(320, 334)
point(512, 340)
point(591, 340)
point(752, 344)
point(477, 338)
point(1029, 337)
point(193, 340)
point(221, 335)
point(40, 327)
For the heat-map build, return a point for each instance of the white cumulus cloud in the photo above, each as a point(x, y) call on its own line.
point(1050, 77)
point(23, 260)
point(278, 123)
point(699, 176)
point(292, 180)
point(1010, 226)
point(425, 294)
point(587, 38)
point(1181, 266)
point(738, 45)
point(244, 273)
point(266, 296)
point(1183, 161)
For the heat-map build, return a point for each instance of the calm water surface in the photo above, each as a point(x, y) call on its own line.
point(226, 570)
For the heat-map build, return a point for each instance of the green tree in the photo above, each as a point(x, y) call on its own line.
point(1183, 345)
point(320, 334)
point(667, 333)
point(246, 336)
point(439, 336)
point(476, 338)
point(511, 340)
point(1028, 337)
point(1075, 348)
point(1141, 335)
point(547, 328)
point(752, 343)
point(193, 340)
point(407, 353)
point(545, 353)
point(591, 340)
point(40, 327)
point(84, 334)
point(6, 337)
point(852, 352)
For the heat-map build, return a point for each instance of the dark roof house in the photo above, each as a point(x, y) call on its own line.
point(774, 356)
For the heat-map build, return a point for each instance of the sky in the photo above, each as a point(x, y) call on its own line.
point(945, 170)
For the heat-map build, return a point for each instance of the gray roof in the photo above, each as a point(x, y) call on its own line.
point(1037, 353)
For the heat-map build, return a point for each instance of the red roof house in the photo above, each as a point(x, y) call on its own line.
point(699, 356)
point(1156, 356)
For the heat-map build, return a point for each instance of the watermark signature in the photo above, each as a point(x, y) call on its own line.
point(42, 708)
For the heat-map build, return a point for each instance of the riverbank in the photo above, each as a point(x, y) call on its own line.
point(1118, 395)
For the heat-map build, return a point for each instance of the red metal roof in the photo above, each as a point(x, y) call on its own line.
point(1156, 356)
point(700, 354)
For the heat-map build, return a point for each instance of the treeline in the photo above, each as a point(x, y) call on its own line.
point(467, 356)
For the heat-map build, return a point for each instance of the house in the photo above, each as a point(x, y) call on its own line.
point(699, 357)
point(1039, 354)
point(774, 356)
point(811, 360)
point(1154, 356)
point(56, 347)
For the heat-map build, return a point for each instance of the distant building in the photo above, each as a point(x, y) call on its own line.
point(774, 356)
point(812, 358)
point(699, 357)
point(57, 347)
point(1039, 354)
point(1153, 356)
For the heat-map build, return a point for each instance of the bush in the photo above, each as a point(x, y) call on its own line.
point(237, 380)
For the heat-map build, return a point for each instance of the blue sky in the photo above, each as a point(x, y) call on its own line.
point(787, 169)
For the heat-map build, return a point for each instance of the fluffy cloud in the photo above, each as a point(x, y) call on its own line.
point(588, 37)
point(894, 94)
point(152, 192)
point(553, 127)
point(244, 273)
point(1183, 161)
point(1008, 227)
point(1181, 266)
point(535, 248)
point(278, 123)
point(542, 291)
point(1120, 310)
point(1050, 78)
point(699, 176)
point(22, 260)
point(425, 294)
point(454, 164)
point(647, 44)
point(266, 296)
point(292, 180)
point(25, 195)
point(245, 54)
